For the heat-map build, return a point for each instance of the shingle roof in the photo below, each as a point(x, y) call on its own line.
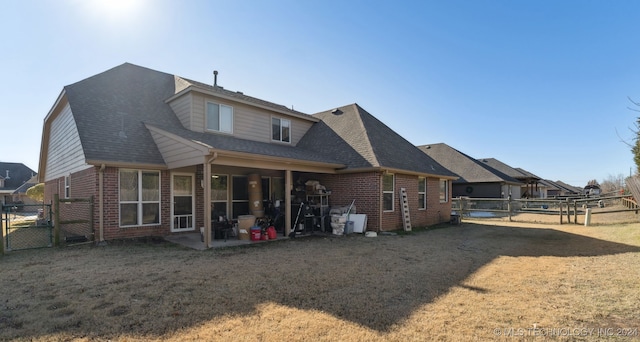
point(469, 169)
point(360, 140)
point(504, 168)
point(242, 97)
point(110, 110)
point(231, 143)
point(18, 174)
point(569, 187)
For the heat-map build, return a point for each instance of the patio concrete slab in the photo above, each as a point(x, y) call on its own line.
point(193, 240)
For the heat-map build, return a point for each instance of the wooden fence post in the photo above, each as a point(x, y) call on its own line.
point(568, 212)
point(575, 211)
point(509, 207)
point(56, 220)
point(561, 214)
point(2, 247)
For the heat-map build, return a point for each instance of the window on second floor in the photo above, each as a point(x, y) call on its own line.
point(219, 118)
point(422, 193)
point(281, 130)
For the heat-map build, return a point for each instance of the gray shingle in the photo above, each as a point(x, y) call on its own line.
point(360, 140)
point(469, 169)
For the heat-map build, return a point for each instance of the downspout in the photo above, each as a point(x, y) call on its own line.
point(380, 199)
point(288, 184)
point(206, 175)
point(101, 204)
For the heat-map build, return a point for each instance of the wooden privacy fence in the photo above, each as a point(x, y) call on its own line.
point(567, 210)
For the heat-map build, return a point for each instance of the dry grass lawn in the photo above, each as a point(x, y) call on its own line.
point(476, 281)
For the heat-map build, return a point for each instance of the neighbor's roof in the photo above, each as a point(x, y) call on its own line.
point(15, 175)
point(361, 141)
point(469, 169)
point(508, 170)
point(569, 187)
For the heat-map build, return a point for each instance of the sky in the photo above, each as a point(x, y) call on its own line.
point(540, 85)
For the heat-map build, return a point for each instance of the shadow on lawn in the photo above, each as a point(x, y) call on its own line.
point(373, 282)
point(381, 286)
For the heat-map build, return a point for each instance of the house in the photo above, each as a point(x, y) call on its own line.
point(531, 187)
point(559, 189)
point(477, 179)
point(14, 180)
point(162, 154)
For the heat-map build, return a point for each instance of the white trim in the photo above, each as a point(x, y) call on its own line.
point(271, 129)
point(392, 192)
point(423, 205)
point(139, 202)
point(206, 114)
point(446, 190)
point(193, 202)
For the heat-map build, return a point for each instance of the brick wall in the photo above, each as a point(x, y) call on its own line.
point(111, 218)
point(365, 188)
point(84, 184)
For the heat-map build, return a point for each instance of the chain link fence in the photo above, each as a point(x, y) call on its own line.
point(26, 226)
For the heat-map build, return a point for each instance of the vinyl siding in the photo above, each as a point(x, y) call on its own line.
point(64, 154)
point(248, 122)
point(176, 154)
point(182, 107)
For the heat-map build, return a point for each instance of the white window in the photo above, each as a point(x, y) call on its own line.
point(422, 193)
point(67, 186)
point(219, 118)
point(388, 181)
point(444, 191)
point(281, 130)
point(219, 195)
point(139, 197)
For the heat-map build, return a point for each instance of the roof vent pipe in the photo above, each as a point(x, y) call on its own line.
point(215, 78)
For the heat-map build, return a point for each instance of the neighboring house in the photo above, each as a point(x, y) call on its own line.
point(14, 180)
point(592, 190)
point(559, 189)
point(530, 187)
point(161, 154)
point(477, 179)
point(570, 189)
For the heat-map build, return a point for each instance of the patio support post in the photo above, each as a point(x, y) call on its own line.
point(288, 181)
point(206, 183)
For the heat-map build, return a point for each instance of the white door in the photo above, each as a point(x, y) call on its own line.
point(182, 190)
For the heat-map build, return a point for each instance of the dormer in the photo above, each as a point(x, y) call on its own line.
point(212, 109)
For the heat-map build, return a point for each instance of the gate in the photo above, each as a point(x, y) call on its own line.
point(74, 218)
point(26, 226)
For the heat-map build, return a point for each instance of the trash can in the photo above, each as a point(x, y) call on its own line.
point(348, 227)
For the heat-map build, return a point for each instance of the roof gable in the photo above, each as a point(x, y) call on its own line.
point(362, 141)
point(110, 110)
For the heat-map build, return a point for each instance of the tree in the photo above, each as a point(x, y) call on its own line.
point(613, 184)
point(36, 192)
point(635, 145)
